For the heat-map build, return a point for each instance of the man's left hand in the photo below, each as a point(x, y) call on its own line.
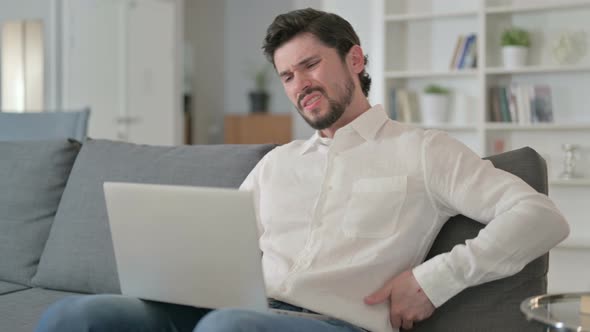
point(408, 303)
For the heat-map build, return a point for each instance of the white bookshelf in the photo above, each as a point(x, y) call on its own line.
point(547, 69)
point(419, 37)
point(570, 183)
point(448, 127)
point(428, 16)
point(536, 6)
point(556, 127)
point(431, 74)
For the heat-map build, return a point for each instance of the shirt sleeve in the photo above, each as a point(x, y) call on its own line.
point(252, 183)
point(522, 224)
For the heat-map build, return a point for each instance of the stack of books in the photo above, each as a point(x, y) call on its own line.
point(520, 103)
point(465, 54)
point(403, 105)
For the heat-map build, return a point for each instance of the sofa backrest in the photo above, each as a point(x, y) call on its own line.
point(44, 125)
point(79, 254)
point(493, 306)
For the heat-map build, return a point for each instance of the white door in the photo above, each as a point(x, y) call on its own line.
point(121, 59)
point(152, 81)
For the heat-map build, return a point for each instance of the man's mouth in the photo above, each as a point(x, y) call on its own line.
point(311, 101)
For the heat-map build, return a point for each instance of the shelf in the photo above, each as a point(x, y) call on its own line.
point(431, 74)
point(582, 182)
point(538, 69)
point(447, 127)
point(574, 243)
point(536, 7)
point(429, 16)
point(535, 127)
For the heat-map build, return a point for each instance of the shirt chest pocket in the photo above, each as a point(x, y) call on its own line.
point(374, 206)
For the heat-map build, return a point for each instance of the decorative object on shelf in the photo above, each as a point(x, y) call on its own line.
point(499, 146)
point(515, 45)
point(569, 162)
point(569, 47)
point(260, 97)
point(463, 106)
point(434, 105)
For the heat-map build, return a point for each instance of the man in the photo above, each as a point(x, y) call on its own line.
point(347, 217)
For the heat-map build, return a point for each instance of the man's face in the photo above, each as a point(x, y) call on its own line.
point(316, 80)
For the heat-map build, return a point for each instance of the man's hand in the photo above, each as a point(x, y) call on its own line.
point(408, 303)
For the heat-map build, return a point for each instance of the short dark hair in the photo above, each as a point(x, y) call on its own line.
point(331, 29)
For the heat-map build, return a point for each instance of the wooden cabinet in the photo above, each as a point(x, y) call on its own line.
point(258, 128)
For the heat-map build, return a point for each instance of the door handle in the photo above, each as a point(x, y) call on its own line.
point(127, 120)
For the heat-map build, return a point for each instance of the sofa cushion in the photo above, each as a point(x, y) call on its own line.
point(8, 287)
point(79, 252)
point(20, 311)
point(33, 176)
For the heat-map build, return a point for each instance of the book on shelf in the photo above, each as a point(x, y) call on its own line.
point(403, 105)
point(520, 103)
point(505, 104)
point(458, 45)
point(465, 52)
point(542, 104)
point(494, 115)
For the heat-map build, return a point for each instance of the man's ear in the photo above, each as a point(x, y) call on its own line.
point(356, 59)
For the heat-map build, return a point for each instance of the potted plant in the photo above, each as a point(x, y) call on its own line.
point(434, 105)
point(259, 97)
point(515, 45)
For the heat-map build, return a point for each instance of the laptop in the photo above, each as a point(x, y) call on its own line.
point(194, 246)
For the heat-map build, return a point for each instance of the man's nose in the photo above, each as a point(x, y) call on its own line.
point(302, 83)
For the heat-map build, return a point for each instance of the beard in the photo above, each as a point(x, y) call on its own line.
point(337, 106)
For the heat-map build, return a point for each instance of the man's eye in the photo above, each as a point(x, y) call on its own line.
point(287, 79)
point(311, 65)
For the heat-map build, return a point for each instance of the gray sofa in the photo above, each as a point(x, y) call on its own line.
point(55, 240)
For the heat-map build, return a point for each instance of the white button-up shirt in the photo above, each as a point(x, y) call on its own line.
point(339, 217)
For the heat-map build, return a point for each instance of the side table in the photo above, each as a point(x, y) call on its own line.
point(559, 312)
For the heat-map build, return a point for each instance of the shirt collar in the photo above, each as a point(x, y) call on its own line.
point(366, 125)
point(310, 143)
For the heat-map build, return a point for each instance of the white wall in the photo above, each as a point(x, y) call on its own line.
point(246, 23)
point(205, 32)
point(568, 270)
point(364, 18)
point(41, 10)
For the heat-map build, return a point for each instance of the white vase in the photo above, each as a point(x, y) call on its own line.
point(514, 56)
point(462, 109)
point(434, 108)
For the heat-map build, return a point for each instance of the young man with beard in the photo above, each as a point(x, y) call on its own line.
point(347, 216)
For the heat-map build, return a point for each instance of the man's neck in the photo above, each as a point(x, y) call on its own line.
point(353, 111)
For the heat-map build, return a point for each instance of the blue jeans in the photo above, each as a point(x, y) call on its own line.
point(114, 313)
